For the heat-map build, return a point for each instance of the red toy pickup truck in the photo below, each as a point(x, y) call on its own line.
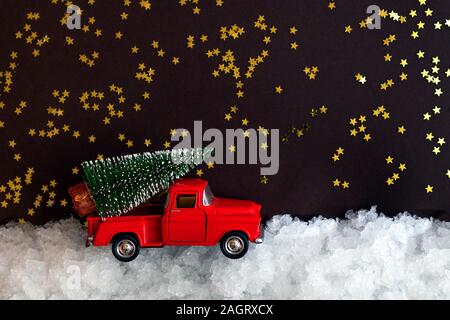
point(189, 216)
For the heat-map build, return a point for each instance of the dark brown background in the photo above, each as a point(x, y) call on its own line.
point(187, 92)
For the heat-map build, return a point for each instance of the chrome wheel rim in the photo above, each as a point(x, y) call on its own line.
point(126, 248)
point(234, 245)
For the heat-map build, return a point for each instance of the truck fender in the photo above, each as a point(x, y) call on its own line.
point(128, 233)
point(229, 231)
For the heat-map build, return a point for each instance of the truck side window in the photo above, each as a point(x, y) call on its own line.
point(186, 201)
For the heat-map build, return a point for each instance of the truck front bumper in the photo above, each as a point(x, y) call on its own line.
point(89, 241)
point(260, 239)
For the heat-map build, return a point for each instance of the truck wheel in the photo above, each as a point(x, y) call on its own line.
point(234, 245)
point(125, 247)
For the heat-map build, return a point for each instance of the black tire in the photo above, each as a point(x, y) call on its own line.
point(234, 245)
point(125, 247)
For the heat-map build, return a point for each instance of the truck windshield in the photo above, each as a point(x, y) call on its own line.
point(208, 197)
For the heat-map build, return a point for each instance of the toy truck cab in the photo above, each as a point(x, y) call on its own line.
point(190, 216)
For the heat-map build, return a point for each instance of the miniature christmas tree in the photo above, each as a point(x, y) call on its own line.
point(119, 184)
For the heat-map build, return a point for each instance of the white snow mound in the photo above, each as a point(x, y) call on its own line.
point(367, 256)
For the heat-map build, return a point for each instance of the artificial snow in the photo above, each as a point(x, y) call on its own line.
point(366, 256)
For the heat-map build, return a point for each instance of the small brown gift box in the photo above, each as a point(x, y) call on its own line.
point(82, 199)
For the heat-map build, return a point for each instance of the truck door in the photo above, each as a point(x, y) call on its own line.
point(187, 223)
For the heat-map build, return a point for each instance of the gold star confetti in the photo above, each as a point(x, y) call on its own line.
point(360, 78)
point(278, 89)
point(389, 160)
point(401, 130)
point(122, 76)
point(264, 180)
point(311, 72)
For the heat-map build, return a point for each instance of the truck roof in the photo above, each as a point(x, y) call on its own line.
point(190, 183)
